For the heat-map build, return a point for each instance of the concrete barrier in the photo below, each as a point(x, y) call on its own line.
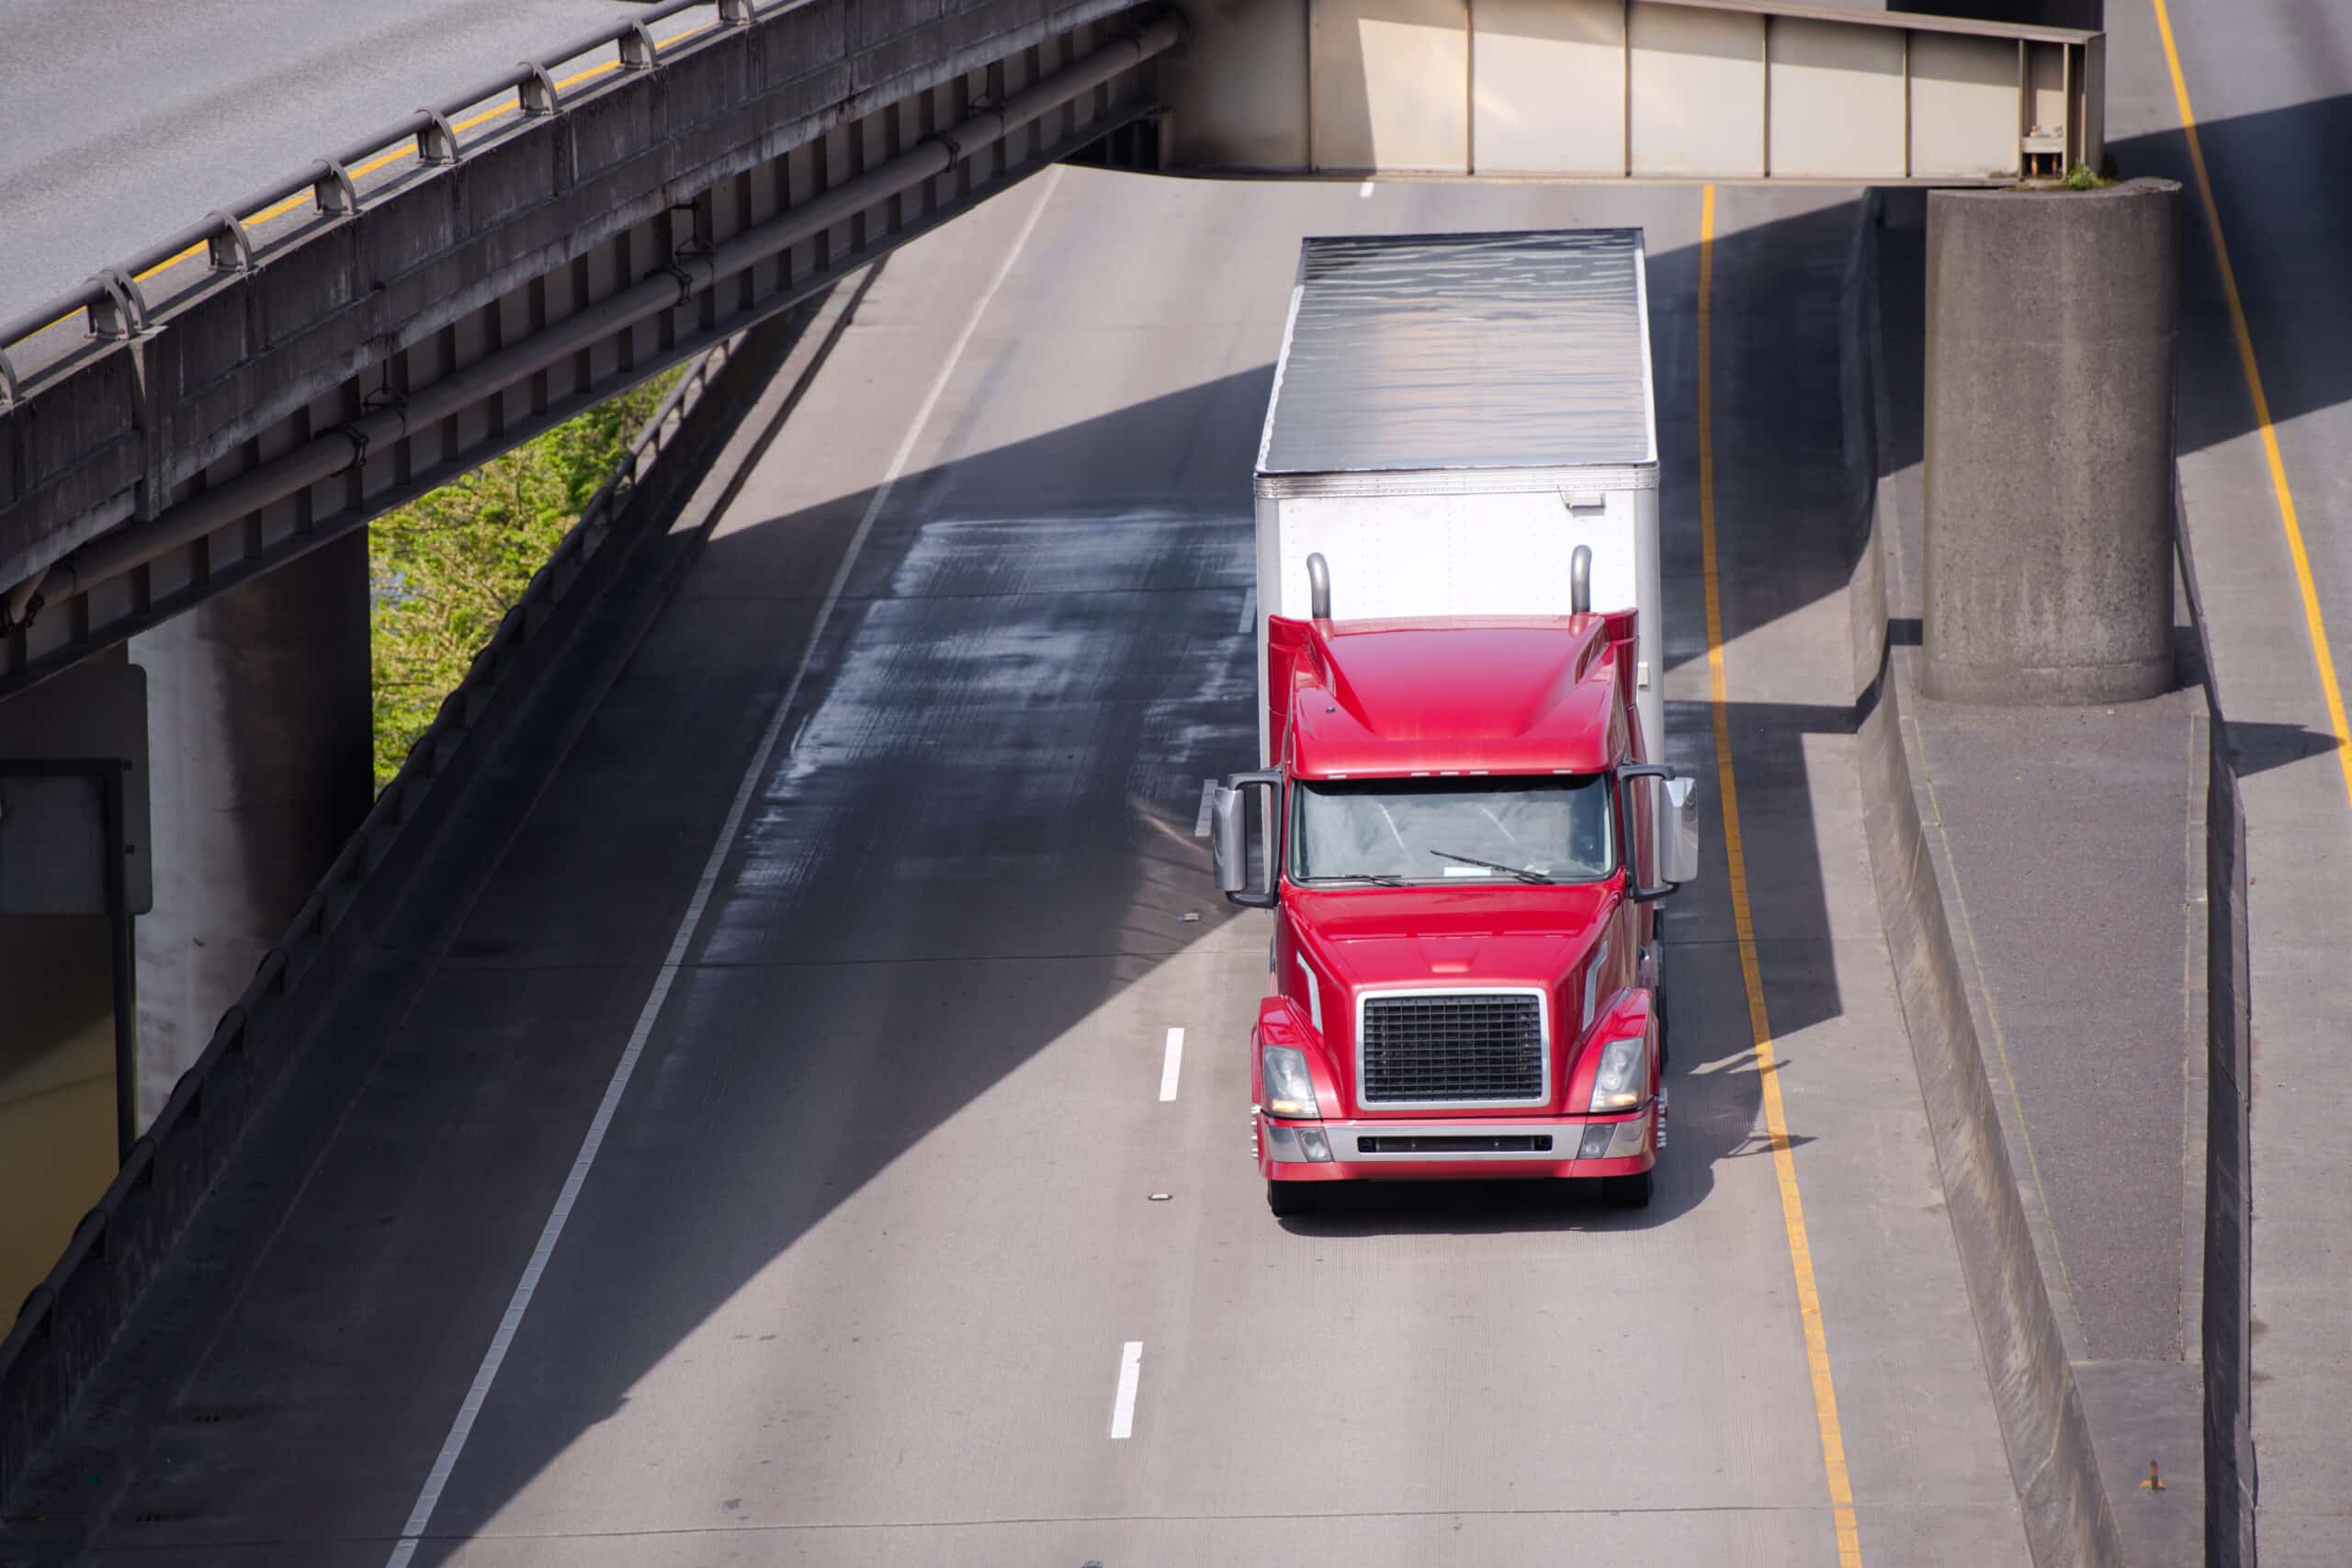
point(2226, 1346)
point(2042, 1425)
point(70, 1321)
point(2051, 320)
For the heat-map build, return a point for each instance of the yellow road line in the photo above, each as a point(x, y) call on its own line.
point(386, 160)
point(2315, 623)
point(1776, 1124)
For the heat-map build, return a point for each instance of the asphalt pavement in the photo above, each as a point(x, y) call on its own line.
point(869, 1245)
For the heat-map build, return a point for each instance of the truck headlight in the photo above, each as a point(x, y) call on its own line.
point(1618, 1085)
point(1290, 1092)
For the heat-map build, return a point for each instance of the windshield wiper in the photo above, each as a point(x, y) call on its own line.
point(1523, 873)
point(1381, 877)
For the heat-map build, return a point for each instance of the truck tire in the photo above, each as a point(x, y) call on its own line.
point(1628, 1191)
point(1289, 1200)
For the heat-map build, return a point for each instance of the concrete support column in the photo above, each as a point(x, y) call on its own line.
point(2049, 443)
point(259, 724)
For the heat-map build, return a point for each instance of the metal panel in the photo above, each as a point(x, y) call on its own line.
point(1549, 95)
point(1698, 86)
point(2090, 85)
point(1243, 83)
point(1391, 85)
point(1463, 350)
point(1963, 106)
point(2046, 97)
point(51, 835)
point(1836, 100)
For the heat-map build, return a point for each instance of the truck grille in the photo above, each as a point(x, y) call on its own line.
point(1456, 1047)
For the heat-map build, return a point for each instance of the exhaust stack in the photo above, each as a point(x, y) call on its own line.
point(1579, 579)
point(1319, 588)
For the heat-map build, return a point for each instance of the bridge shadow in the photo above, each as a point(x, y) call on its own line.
point(976, 841)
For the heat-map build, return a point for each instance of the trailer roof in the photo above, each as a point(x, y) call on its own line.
point(1524, 350)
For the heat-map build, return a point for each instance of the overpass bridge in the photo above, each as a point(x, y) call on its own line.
point(243, 390)
point(916, 557)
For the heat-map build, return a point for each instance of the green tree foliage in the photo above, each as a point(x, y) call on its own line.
point(444, 569)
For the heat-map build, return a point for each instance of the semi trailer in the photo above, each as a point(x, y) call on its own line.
point(1460, 819)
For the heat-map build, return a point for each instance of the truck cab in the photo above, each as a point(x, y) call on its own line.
point(1460, 820)
point(1462, 841)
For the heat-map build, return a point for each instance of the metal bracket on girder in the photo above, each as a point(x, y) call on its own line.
point(638, 48)
point(121, 312)
point(333, 190)
point(735, 13)
point(537, 91)
point(436, 142)
point(685, 280)
point(227, 248)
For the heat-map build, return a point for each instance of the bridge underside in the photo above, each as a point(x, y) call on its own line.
point(270, 379)
point(1611, 90)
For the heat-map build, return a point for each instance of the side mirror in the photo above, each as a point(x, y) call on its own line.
point(1669, 848)
point(1229, 838)
point(1677, 833)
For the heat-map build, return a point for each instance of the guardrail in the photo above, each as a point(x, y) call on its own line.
point(116, 304)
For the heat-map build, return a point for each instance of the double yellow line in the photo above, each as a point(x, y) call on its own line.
point(1776, 1121)
point(386, 160)
point(2315, 623)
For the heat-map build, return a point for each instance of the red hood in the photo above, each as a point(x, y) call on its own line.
point(1376, 938)
point(1476, 936)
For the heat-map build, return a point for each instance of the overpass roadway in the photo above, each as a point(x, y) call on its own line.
point(849, 1263)
point(205, 101)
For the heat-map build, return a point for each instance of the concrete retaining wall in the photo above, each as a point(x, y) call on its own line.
point(70, 1321)
point(2040, 1413)
point(2226, 1347)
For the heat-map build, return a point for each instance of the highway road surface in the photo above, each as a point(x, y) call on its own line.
point(2265, 484)
point(867, 908)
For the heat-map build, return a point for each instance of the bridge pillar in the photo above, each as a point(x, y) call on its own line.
point(2049, 443)
point(259, 723)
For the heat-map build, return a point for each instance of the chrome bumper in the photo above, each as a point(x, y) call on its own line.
point(1422, 1143)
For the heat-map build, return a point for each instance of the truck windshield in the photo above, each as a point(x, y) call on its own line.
point(1452, 830)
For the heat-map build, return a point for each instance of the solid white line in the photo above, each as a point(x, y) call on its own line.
point(1249, 613)
point(1171, 1063)
point(1123, 1409)
point(462, 1427)
point(1208, 800)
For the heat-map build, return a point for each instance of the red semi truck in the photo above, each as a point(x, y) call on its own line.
point(1461, 824)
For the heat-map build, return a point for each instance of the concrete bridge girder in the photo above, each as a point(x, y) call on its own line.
point(1619, 89)
point(401, 336)
point(312, 371)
